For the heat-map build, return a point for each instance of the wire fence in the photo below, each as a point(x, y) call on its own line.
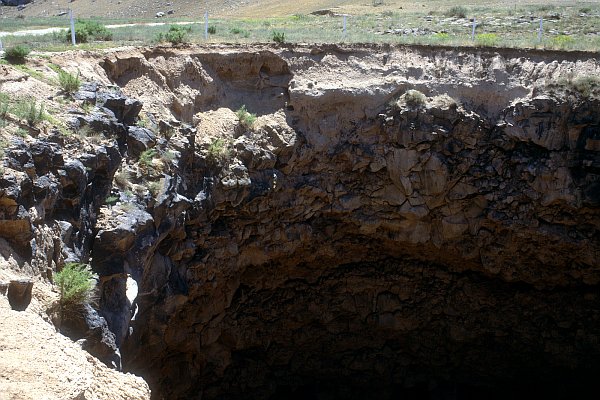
point(574, 30)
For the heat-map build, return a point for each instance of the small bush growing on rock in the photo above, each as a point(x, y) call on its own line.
point(586, 85)
point(278, 37)
point(123, 179)
point(111, 200)
point(147, 156)
point(247, 119)
point(69, 83)
point(415, 99)
point(217, 150)
point(17, 54)
point(457, 11)
point(76, 283)
point(29, 110)
point(177, 34)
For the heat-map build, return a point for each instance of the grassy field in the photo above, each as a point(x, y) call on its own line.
point(575, 26)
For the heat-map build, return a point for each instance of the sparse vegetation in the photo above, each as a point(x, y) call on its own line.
point(415, 99)
point(278, 37)
point(155, 187)
point(4, 105)
point(123, 179)
point(217, 150)
point(486, 39)
point(29, 110)
point(586, 85)
point(146, 157)
point(457, 11)
point(17, 54)
point(111, 200)
point(23, 133)
point(176, 34)
point(212, 30)
point(89, 30)
point(76, 283)
point(69, 83)
point(247, 119)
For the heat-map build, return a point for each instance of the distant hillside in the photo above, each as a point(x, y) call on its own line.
point(241, 8)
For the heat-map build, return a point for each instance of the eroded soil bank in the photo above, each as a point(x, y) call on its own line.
point(397, 221)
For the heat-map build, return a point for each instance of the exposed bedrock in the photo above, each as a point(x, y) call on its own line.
point(360, 241)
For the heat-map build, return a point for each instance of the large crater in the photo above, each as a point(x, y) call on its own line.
point(361, 242)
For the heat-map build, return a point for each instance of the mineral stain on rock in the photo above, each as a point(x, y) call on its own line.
point(423, 227)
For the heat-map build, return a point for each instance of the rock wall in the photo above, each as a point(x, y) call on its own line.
point(360, 240)
point(398, 221)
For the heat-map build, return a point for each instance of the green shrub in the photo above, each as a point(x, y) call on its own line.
point(111, 200)
point(89, 30)
point(177, 34)
point(415, 99)
point(486, 39)
point(212, 29)
point(586, 85)
point(17, 54)
point(217, 150)
point(457, 11)
point(278, 37)
point(29, 110)
point(147, 156)
point(69, 83)
point(76, 283)
point(246, 118)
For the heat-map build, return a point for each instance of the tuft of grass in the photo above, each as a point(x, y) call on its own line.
point(586, 85)
point(17, 54)
point(23, 133)
point(212, 30)
point(147, 156)
point(123, 179)
point(562, 41)
point(29, 110)
point(69, 83)
point(217, 150)
point(111, 200)
point(415, 99)
point(76, 283)
point(247, 119)
point(457, 11)
point(278, 37)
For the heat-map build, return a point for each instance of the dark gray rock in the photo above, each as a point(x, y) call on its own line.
point(15, 3)
point(124, 108)
point(91, 330)
point(139, 140)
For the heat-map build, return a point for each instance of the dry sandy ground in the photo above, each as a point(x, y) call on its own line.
point(37, 363)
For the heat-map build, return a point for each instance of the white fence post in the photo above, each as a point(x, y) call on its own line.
point(473, 31)
point(206, 25)
point(541, 29)
point(0, 44)
point(344, 26)
point(72, 27)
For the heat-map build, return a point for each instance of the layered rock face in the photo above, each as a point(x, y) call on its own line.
point(362, 240)
point(398, 221)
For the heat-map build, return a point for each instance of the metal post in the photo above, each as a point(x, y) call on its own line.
point(344, 26)
point(541, 29)
point(72, 27)
point(473, 32)
point(206, 25)
point(0, 44)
